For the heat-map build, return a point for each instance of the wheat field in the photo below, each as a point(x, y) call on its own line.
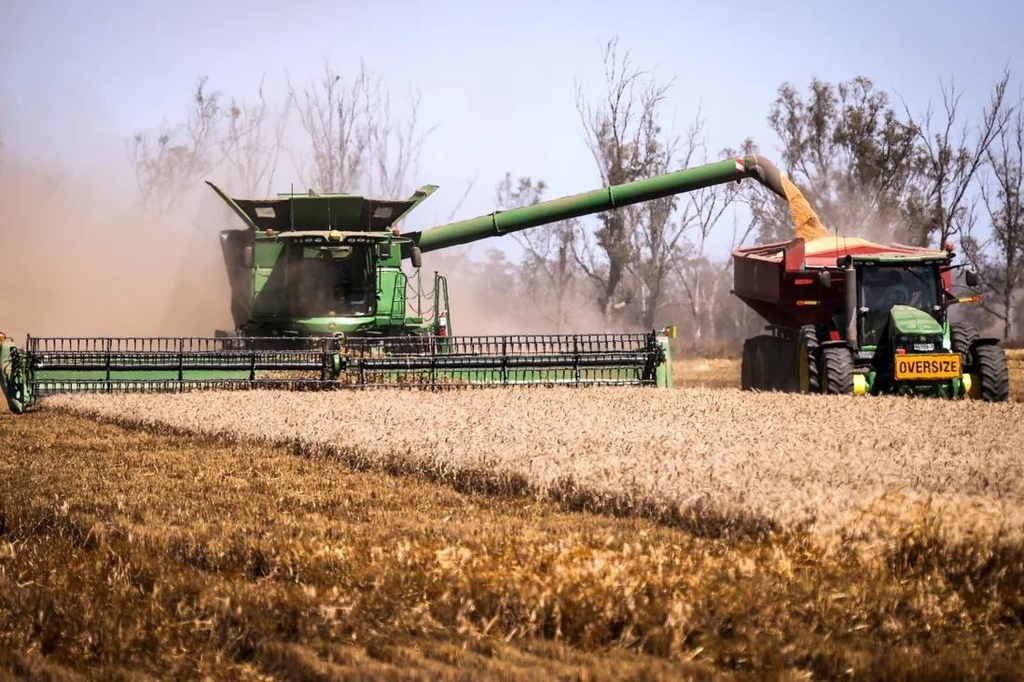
point(751, 460)
point(699, 533)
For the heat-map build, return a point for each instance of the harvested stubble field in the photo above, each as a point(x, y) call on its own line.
point(602, 533)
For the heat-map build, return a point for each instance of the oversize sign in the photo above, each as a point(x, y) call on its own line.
point(911, 367)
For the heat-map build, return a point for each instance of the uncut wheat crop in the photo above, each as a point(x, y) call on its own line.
point(817, 462)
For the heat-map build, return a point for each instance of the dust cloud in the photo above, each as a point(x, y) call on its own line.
point(485, 299)
point(78, 259)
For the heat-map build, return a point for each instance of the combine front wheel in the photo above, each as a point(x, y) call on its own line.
point(990, 366)
point(836, 371)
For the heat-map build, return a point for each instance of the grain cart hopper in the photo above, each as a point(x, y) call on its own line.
point(319, 298)
point(846, 315)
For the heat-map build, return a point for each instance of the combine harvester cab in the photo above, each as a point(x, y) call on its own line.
point(848, 316)
point(320, 299)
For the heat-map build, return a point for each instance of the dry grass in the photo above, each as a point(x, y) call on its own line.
point(706, 372)
point(261, 535)
point(725, 373)
point(129, 552)
point(713, 461)
point(1015, 362)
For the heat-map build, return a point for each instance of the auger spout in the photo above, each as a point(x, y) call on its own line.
point(598, 200)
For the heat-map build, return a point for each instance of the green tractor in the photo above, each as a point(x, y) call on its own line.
point(848, 316)
point(320, 299)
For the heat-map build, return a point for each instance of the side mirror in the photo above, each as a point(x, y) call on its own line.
point(247, 258)
point(824, 279)
point(416, 256)
point(971, 278)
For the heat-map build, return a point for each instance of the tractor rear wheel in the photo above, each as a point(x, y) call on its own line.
point(836, 371)
point(808, 360)
point(990, 367)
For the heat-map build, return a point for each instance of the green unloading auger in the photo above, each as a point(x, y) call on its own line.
point(615, 196)
point(371, 356)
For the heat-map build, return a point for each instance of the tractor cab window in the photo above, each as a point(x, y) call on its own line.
point(883, 286)
point(331, 281)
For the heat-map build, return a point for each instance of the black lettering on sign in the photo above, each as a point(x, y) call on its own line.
point(927, 366)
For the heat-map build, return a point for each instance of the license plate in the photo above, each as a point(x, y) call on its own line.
point(944, 366)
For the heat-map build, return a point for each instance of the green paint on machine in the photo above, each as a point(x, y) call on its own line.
point(320, 298)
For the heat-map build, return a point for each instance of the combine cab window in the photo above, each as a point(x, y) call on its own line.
point(331, 282)
point(883, 286)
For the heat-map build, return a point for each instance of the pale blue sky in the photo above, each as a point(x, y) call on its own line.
point(497, 78)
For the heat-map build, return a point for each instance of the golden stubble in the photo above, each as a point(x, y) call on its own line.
point(751, 459)
point(139, 550)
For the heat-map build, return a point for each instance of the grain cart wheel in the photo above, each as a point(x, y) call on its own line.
point(807, 360)
point(990, 366)
point(747, 365)
point(760, 374)
point(961, 336)
point(836, 371)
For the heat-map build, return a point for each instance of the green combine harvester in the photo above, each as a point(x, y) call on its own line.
point(319, 299)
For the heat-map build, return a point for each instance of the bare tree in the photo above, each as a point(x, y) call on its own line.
point(332, 115)
point(252, 143)
point(702, 279)
point(946, 163)
point(355, 138)
point(848, 151)
point(999, 258)
point(549, 272)
point(679, 247)
point(625, 138)
point(394, 145)
point(171, 162)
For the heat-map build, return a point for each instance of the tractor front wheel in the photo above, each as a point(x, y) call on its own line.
point(961, 336)
point(990, 367)
point(836, 371)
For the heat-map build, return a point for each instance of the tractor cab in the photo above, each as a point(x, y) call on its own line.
point(898, 295)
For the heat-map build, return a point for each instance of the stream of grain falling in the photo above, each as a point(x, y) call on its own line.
point(805, 220)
